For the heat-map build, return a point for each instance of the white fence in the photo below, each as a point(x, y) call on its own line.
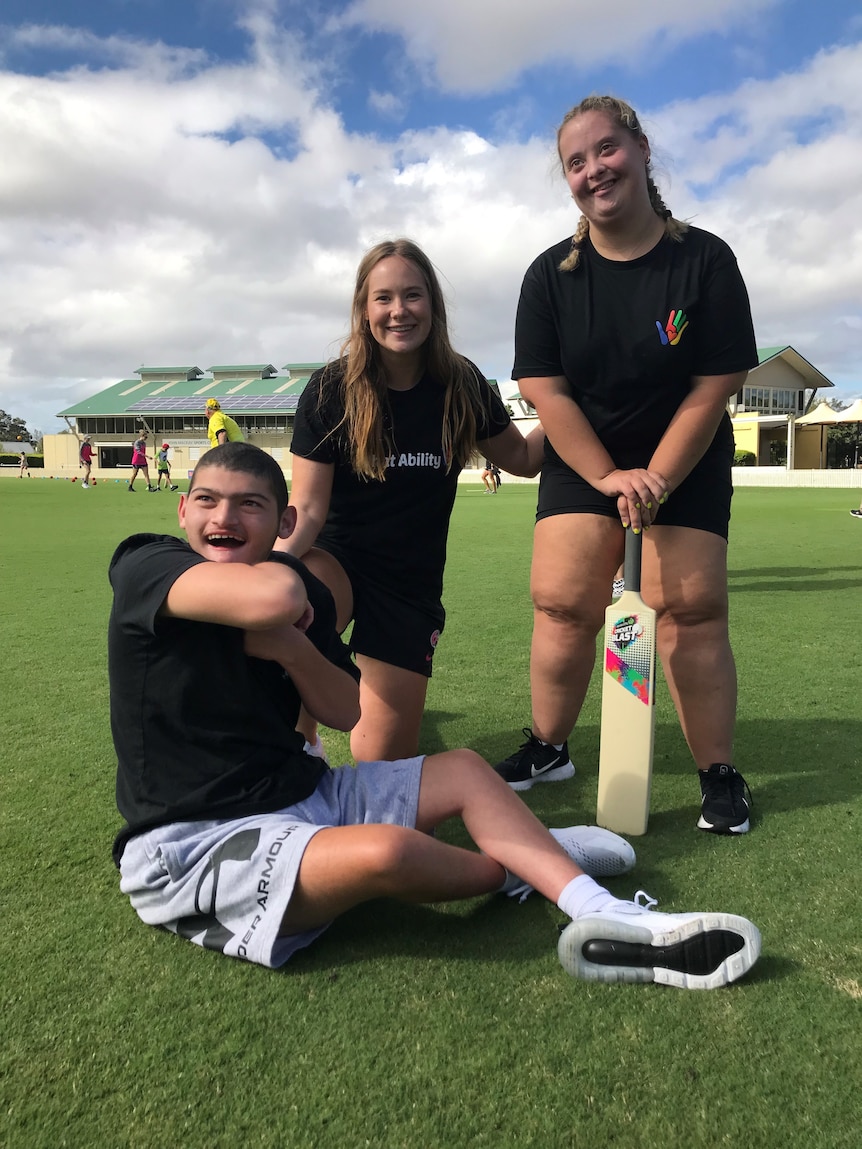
point(779, 477)
point(742, 477)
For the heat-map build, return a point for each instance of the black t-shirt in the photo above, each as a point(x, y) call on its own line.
point(606, 327)
point(394, 530)
point(201, 730)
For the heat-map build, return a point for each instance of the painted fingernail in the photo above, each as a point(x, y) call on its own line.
point(625, 526)
point(636, 530)
point(649, 506)
point(637, 506)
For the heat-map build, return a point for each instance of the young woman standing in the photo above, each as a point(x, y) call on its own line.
point(630, 338)
point(380, 436)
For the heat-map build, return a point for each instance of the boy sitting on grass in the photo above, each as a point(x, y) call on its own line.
point(241, 842)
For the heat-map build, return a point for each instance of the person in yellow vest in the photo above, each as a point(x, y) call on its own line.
point(221, 429)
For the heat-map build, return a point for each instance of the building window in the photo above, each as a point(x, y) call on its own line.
point(770, 400)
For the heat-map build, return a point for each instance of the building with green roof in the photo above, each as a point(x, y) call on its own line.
point(169, 403)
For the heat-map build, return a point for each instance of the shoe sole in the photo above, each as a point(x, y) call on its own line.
point(558, 774)
point(715, 828)
point(706, 952)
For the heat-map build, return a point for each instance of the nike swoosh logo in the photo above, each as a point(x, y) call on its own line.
point(537, 770)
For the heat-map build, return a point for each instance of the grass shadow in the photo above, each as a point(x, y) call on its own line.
point(477, 931)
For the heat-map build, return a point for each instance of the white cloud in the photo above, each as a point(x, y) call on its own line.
point(217, 214)
point(387, 104)
point(114, 50)
point(474, 46)
point(775, 167)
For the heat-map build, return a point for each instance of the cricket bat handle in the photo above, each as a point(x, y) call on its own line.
point(632, 560)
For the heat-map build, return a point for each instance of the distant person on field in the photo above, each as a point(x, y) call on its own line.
point(857, 514)
point(220, 427)
point(242, 843)
point(23, 466)
point(86, 459)
point(163, 466)
point(488, 478)
point(140, 463)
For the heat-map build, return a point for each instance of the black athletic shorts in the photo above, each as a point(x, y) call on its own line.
point(702, 500)
point(390, 628)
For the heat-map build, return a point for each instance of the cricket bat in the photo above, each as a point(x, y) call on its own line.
point(628, 713)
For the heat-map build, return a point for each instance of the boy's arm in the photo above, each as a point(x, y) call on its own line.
point(258, 597)
point(328, 693)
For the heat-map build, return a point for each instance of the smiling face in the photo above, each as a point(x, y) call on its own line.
point(605, 167)
point(232, 516)
point(398, 306)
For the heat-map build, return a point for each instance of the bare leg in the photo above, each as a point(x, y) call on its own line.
point(462, 784)
point(686, 581)
point(574, 558)
point(345, 866)
point(391, 701)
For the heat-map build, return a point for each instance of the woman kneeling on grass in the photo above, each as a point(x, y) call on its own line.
point(380, 437)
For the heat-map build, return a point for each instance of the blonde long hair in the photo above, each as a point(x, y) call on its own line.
point(359, 376)
point(624, 116)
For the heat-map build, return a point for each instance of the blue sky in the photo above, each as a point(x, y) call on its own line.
point(195, 182)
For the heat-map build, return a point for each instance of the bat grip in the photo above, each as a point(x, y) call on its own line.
point(632, 563)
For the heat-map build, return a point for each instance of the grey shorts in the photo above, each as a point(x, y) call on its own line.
point(226, 885)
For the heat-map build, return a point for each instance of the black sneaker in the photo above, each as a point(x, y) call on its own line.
point(724, 807)
point(175, 487)
point(535, 761)
point(856, 514)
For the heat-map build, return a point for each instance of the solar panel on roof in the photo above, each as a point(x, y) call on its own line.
point(248, 403)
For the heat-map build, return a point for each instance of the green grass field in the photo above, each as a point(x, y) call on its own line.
point(441, 1026)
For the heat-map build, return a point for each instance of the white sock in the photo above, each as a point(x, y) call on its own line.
point(555, 746)
point(584, 895)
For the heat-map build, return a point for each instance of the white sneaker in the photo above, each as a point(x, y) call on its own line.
point(317, 749)
point(86, 486)
point(599, 853)
point(631, 942)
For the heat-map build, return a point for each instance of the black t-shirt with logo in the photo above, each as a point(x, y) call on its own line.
point(629, 336)
point(201, 730)
point(392, 531)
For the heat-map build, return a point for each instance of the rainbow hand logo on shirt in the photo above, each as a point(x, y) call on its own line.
point(672, 331)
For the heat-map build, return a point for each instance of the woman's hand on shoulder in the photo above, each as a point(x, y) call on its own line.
point(639, 492)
